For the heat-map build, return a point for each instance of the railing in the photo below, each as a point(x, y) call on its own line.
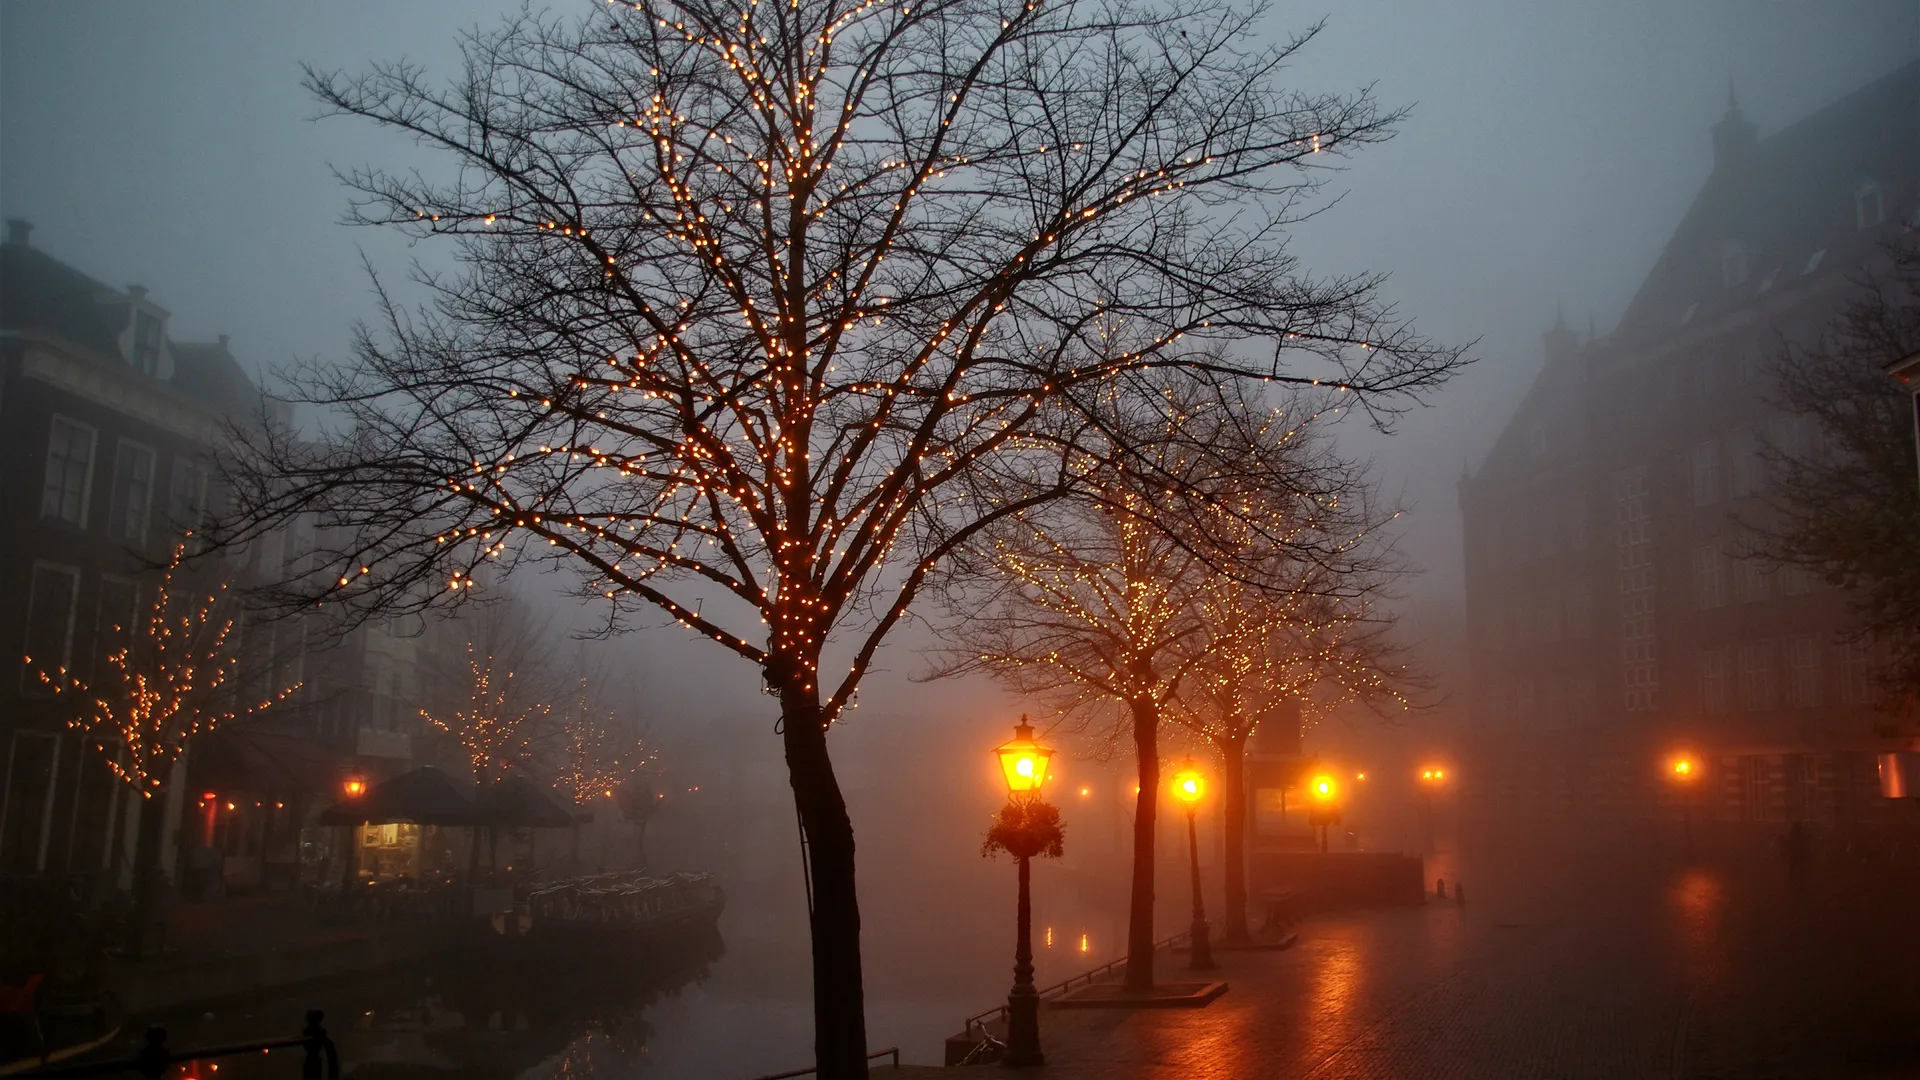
point(978, 1021)
point(320, 1062)
point(892, 1051)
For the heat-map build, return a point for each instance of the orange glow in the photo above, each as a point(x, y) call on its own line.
point(1323, 788)
point(229, 806)
point(1359, 776)
point(1188, 785)
point(1084, 792)
point(1023, 761)
point(1084, 945)
point(1683, 769)
point(1433, 774)
point(1049, 937)
point(208, 796)
point(356, 787)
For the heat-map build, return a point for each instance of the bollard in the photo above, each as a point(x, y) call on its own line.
point(1440, 888)
point(154, 1057)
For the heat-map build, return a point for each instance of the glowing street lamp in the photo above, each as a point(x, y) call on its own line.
point(1323, 804)
point(1683, 772)
point(1189, 786)
point(1023, 763)
point(1431, 778)
point(355, 787)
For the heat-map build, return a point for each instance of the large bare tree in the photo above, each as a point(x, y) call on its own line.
point(757, 306)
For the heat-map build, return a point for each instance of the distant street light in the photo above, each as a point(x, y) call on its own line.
point(1684, 773)
point(355, 787)
point(1323, 795)
point(1431, 778)
point(1188, 787)
point(1023, 762)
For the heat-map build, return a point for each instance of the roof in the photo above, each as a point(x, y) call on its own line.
point(1785, 207)
point(41, 294)
point(208, 373)
point(423, 796)
point(515, 801)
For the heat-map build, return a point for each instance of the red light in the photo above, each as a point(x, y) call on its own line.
point(208, 796)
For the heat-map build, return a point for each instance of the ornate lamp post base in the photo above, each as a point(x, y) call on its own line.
point(1202, 955)
point(1023, 1002)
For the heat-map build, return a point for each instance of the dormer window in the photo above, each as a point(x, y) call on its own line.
point(146, 342)
point(1869, 206)
point(1733, 266)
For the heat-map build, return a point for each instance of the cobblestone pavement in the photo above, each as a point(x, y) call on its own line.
point(1618, 961)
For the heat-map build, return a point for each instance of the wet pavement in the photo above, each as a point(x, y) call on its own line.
point(1613, 960)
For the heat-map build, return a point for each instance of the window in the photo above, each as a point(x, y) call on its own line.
point(1756, 675)
point(50, 620)
point(1869, 206)
point(1733, 266)
point(1756, 576)
point(132, 493)
point(1714, 684)
point(118, 618)
point(146, 342)
point(187, 494)
point(1857, 686)
point(1709, 576)
point(26, 814)
point(1749, 468)
point(1706, 473)
point(1795, 580)
point(1803, 661)
point(69, 472)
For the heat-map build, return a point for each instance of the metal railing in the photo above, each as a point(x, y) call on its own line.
point(978, 1021)
point(321, 1061)
point(892, 1051)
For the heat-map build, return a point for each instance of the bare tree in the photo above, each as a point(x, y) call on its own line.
point(1844, 499)
point(758, 306)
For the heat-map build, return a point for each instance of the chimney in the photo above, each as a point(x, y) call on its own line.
point(223, 344)
point(138, 292)
point(18, 229)
point(1559, 342)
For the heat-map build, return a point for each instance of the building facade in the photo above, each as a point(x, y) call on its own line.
point(1616, 612)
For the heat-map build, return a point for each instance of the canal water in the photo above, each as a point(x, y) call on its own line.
point(732, 1003)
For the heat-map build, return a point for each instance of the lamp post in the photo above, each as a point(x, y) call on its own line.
point(1188, 787)
point(1023, 762)
point(1324, 809)
point(1431, 778)
point(1684, 773)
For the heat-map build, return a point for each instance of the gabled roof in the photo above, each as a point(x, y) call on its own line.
point(40, 294)
point(1786, 205)
point(208, 373)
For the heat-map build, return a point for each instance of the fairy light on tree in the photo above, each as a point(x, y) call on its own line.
point(762, 310)
point(495, 725)
point(170, 683)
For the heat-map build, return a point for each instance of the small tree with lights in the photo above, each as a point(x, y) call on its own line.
point(761, 311)
point(172, 681)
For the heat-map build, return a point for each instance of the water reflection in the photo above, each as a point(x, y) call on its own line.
point(485, 1014)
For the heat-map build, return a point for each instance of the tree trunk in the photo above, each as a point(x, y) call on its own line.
point(1146, 728)
point(1233, 767)
point(146, 871)
point(839, 1013)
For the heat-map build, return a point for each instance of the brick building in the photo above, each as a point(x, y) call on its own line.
point(1613, 613)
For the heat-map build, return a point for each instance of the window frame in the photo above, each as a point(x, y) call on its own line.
point(30, 682)
point(119, 517)
point(56, 513)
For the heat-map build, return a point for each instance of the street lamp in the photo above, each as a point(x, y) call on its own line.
point(1684, 773)
point(1323, 795)
point(1023, 762)
point(1188, 787)
point(1431, 778)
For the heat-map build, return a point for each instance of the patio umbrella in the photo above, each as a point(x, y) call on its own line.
point(517, 802)
point(423, 796)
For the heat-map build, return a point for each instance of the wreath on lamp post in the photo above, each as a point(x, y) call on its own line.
point(1025, 829)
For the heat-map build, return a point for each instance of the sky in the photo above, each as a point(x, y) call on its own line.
point(1551, 148)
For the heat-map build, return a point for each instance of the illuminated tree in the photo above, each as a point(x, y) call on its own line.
point(755, 311)
point(172, 681)
point(496, 724)
point(607, 763)
point(1099, 603)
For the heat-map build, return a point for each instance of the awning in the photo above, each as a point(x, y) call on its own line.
point(424, 796)
point(515, 801)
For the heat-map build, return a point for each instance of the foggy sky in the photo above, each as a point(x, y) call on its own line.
point(1552, 147)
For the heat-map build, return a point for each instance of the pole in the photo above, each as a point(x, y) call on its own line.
point(1686, 826)
point(1429, 798)
point(1023, 1004)
point(1323, 838)
point(1202, 946)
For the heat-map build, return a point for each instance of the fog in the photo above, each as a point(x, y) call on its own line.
point(1550, 151)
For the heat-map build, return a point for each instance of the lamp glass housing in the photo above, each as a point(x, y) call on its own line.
point(1023, 761)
